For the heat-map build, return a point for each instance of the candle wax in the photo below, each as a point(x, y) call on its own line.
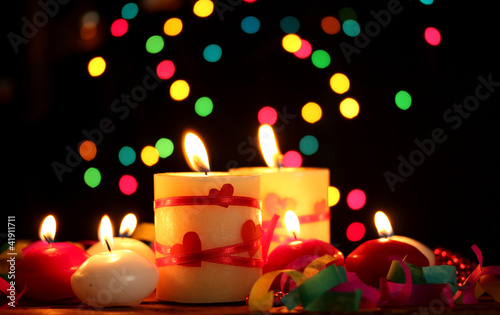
point(370, 260)
point(46, 270)
point(125, 243)
point(116, 278)
point(284, 254)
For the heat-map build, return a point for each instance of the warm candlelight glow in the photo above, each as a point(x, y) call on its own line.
point(292, 223)
point(383, 224)
point(48, 229)
point(269, 146)
point(195, 153)
point(106, 233)
point(128, 225)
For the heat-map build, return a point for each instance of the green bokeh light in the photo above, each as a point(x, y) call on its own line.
point(92, 177)
point(320, 59)
point(165, 147)
point(203, 106)
point(403, 100)
point(154, 44)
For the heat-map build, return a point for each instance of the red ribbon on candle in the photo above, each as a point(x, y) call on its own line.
point(219, 255)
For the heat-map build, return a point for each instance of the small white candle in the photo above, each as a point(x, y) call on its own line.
point(114, 278)
point(127, 228)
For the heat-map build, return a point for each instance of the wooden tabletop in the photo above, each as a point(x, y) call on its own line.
point(152, 306)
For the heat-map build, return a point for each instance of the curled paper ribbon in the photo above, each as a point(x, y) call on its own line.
point(481, 280)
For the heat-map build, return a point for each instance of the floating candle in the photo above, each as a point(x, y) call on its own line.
point(371, 260)
point(46, 269)
point(115, 277)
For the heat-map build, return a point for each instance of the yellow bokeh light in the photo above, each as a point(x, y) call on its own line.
point(203, 8)
point(179, 90)
point(172, 27)
point(339, 83)
point(333, 196)
point(349, 108)
point(97, 66)
point(311, 112)
point(291, 43)
point(150, 155)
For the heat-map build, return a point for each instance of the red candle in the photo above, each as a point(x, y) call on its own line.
point(284, 254)
point(371, 260)
point(46, 269)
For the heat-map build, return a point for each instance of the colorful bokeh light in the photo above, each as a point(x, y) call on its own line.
point(172, 27)
point(267, 115)
point(347, 14)
point(165, 69)
point(155, 44)
point(355, 231)
point(127, 184)
point(165, 147)
point(339, 83)
point(87, 150)
point(203, 8)
point(289, 24)
point(349, 108)
point(96, 66)
point(292, 159)
point(127, 155)
point(311, 112)
point(203, 106)
point(320, 59)
point(212, 53)
point(92, 177)
point(308, 145)
point(179, 90)
point(291, 42)
point(330, 25)
point(356, 199)
point(304, 50)
point(250, 25)
point(333, 196)
point(129, 11)
point(351, 28)
point(119, 27)
point(403, 100)
point(432, 36)
point(149, 155)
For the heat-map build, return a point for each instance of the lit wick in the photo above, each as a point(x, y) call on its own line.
point(294, 235)
point(107, 245)
point(199, 164)
point(47, 239)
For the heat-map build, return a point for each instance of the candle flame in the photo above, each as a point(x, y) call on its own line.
point(383, 225)
point(128, 225)
point(195, 153)
point(106, 233)
point(48, 229)
point(269, 146)
point(292, 223)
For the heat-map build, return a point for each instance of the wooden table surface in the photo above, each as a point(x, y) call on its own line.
point(152, 306)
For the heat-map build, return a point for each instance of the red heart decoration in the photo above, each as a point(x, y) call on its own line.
point(190, 244)
point(320, 207)
point(250, 232)
point(227, 190)
point(274, 204)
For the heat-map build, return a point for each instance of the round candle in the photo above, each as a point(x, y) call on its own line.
point(284, 254)
point(371, 260)
point(125, 243)
point(46, 269)
point(115, 277)
point(127, 227)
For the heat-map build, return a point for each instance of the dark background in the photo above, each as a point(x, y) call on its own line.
point(48, 99)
